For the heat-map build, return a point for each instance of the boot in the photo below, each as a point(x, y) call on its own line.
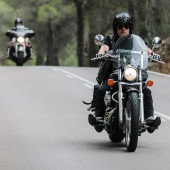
point(152, 122)
point(96, 121)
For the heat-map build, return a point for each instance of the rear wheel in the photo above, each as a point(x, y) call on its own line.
point(132, 121)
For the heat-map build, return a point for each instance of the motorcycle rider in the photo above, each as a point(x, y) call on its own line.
point(18, 26)
point(122, 25)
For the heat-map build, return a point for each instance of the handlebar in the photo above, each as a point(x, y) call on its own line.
point(114, 57)
point(155, 60)
point(105, 56)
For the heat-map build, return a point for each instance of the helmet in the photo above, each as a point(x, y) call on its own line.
point(17, 20)
point(122, 18)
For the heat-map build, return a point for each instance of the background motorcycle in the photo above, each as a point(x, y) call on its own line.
point(126, 120)
point(20, 49)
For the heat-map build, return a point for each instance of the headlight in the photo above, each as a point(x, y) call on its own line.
point(20, 40)
point(130, 73)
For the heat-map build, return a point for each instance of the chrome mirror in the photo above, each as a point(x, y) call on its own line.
point(98, 39)
point(156, 42)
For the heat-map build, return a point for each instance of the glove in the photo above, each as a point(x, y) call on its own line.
point(156, 57)
point(99, 57)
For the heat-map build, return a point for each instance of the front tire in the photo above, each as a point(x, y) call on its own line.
point(132, 121)
point(20, 59)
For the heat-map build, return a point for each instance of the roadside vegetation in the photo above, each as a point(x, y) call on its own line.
point(65, 28)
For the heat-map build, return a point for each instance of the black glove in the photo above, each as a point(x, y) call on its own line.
point(156, 57)
point(98, 57)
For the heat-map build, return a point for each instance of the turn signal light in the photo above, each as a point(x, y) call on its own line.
point(110, 82)
point(149, 83)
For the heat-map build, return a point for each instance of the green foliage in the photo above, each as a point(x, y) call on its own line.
point(60, 16)
point(56, 10)
point(46, 13)
point(68, 56)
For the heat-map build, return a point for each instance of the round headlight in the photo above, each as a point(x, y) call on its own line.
point(130, 73)
point(20, 40)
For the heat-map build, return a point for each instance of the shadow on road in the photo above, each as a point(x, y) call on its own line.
point(106, 146)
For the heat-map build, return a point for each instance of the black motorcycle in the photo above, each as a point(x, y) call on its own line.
point(20, 49)
point(124, 115)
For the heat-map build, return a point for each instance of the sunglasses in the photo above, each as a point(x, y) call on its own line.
point(122, 25)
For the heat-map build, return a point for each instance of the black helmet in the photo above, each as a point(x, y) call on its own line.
point(122, 18)
point(17, 20)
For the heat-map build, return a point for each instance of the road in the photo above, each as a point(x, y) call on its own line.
point(43, 123)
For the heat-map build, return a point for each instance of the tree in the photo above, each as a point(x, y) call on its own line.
point(80, 4)
point(141, 16)
point(6, 23)
point(57, 16)
point(156, 17)
point(100, 15)
point(65, 29)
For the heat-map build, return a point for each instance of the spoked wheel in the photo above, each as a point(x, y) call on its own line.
point(132, 121)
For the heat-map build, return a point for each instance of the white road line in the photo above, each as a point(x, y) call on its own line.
point(89, 86)
point(162, 115)
point(158, 115)
point(159, 74)
point(69, 76)
point(54, 69)
point(82, 79)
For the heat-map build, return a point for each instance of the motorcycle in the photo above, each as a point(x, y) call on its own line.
point(124, 115)
point(20, 46)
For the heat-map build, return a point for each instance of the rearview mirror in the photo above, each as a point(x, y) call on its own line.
point(156, 42)
point(98, 39)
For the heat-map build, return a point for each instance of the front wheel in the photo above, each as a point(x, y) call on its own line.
point(132, 121)
point(20, 59)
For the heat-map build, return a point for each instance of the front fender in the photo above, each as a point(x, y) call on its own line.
point(21, 48)
point(130, 89)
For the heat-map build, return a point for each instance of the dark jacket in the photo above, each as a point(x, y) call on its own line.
point(107, 66)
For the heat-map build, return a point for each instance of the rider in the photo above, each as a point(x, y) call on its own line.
point(122, 25)
point(18, 26)
point(18, 21)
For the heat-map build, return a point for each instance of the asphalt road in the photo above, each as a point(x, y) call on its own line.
point(43, 123)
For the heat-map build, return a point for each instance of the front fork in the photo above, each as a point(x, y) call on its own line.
point(120, 98)
point(142, 118)
point(20, 48)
